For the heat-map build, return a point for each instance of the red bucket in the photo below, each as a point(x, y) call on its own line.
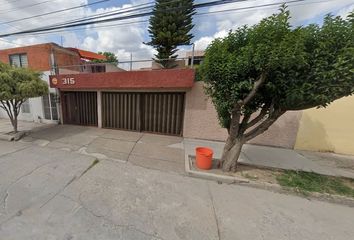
point(204, 158)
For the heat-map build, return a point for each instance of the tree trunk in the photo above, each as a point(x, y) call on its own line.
point(14, 123)
point(232, 151)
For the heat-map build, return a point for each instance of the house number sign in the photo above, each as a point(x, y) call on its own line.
point(68, 81)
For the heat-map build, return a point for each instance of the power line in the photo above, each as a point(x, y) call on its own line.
point(8, 10)
point(198, 14)
point(251, 8)
point(114, 13)
point(111, 13)
point(119, 11)
point(200, 5)
point(9, 2)
point(57, 11)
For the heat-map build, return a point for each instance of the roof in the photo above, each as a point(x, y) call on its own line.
point(197, 53)
point(88, 55)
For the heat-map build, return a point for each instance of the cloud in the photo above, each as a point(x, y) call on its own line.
point(128, 39)
point(300, 12)
point(345, 11)
point(20, 9)
point(122, 40)
point(203, 42)
point(18, 42)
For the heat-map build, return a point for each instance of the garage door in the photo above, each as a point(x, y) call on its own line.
point(148, 112)
point(80, 108)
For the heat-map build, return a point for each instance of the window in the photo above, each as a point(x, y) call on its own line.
point(98, 68)
point(196, 61)
point(25, 107)
point(19, 60)
point(50, 107)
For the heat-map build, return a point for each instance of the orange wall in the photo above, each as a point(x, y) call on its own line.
point(39, 56)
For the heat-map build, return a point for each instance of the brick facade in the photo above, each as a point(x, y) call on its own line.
point(39, 56)
point(155, 79)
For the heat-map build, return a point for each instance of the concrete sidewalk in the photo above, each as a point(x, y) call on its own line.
point(6, 127)
point(168, 153)
point(322, 163)
point(164, 153)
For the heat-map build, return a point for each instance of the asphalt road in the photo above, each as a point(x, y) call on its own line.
point(48, 193)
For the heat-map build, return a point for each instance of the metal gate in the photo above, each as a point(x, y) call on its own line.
point(80, 108)
point(149, 112)
point(121, 110)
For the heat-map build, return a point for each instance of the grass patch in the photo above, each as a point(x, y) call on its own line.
point(91, 166)
point(248, 176)
point(312, 182)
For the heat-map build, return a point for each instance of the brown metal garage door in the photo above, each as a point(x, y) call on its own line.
point(121, 110)
point(80, 108)
point(149, 112)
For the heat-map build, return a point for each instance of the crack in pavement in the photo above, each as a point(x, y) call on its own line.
point(137, 141)
point(70, 182)
point(214, 211)
point(104, 217)
point(19, 213)
point(17, 150)
point(61, 190)
point(19, 179)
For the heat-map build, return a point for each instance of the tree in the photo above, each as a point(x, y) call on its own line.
point(170, 27)
point(16, 86)
point(256, 74)
point(110, 58)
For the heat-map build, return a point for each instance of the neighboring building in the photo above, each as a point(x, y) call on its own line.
point(89, 66)
point(48, 58)
point(197, 57)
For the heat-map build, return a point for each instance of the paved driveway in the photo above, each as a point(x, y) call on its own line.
point(49, 191)
point(148, 150)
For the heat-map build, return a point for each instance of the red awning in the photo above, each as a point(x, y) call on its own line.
point(88, 55)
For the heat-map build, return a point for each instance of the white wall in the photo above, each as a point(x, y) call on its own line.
point(36, 107)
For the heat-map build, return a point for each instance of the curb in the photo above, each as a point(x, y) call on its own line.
point(324, 197)
point(6, 137)
point(211, 176)
point(15, 137)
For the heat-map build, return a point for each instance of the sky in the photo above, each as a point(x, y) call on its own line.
point(127, 39)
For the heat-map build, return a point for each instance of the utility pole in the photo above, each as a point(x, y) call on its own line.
point(192, 63)
point(61, 40)
point(131, 61)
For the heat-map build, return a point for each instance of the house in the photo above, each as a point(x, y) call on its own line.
point(195, 56)
point(146, 101)
point(164, 101)
point(50, 58)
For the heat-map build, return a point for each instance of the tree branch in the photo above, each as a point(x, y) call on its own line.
point(3, 106)
point(255, 88)
point(261, 115)
point(235, 121)
point(9, 112)
point(264, 125)
point(244, 122)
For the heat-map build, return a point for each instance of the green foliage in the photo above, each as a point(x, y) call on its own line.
point(305, 67)
point(110, 58)
point(169, 28)
point(313, 182)
point(20, 83)
point(16, 86)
